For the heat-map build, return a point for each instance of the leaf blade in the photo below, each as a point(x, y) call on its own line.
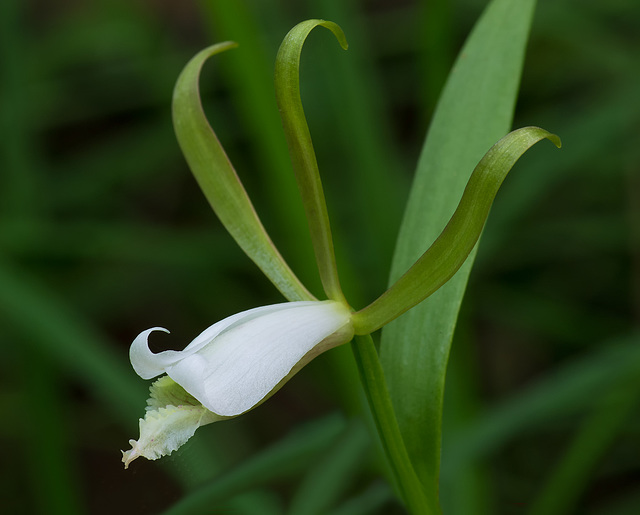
point(476, 107)
point(287, 456)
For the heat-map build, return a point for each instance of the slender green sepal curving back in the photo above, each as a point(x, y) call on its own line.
point(219, 181)
point(303, 157)
point(450, 250)
point(474, 111)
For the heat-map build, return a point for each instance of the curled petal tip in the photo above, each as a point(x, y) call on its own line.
point(146, 363)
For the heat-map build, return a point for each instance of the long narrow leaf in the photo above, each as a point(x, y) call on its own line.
point(475, 110)
point(283, 458)
point(360, 126)
point(334, 473)
point(65, 339)
point(570, 478)
point(563, 393)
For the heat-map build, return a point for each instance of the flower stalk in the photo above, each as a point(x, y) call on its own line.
point(420, 499)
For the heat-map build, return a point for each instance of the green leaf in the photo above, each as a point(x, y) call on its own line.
point(282, 459)
point(49, 326)
point(371, 500)
point(450, 250)
point(565, 392)
point(570, 478)
point(334, 472)
point(219, 181)
point(475, 110)
point(303, 157)
point(48, 455)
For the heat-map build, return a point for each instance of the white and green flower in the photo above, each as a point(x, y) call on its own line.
point(230, 368)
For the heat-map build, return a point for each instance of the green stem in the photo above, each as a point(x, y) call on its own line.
point(373, 382)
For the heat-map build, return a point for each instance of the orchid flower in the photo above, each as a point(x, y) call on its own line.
point(230, 368)
point(239, 362)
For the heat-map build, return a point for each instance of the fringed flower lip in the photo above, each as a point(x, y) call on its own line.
point(238, 362)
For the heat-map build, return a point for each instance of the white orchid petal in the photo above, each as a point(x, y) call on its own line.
point(148, 364)
point(211, 332)
point(190, 373)
point(244, 363)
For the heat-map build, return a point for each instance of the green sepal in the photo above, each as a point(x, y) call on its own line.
point(303, 157)
point(450, 250)
point(220, 183)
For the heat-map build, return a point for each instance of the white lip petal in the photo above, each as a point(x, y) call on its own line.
point(244, 363)
point(232, 365)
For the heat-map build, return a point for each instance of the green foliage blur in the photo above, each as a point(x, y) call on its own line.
point(104, 233)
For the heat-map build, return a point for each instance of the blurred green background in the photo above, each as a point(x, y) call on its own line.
point(104, 233)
